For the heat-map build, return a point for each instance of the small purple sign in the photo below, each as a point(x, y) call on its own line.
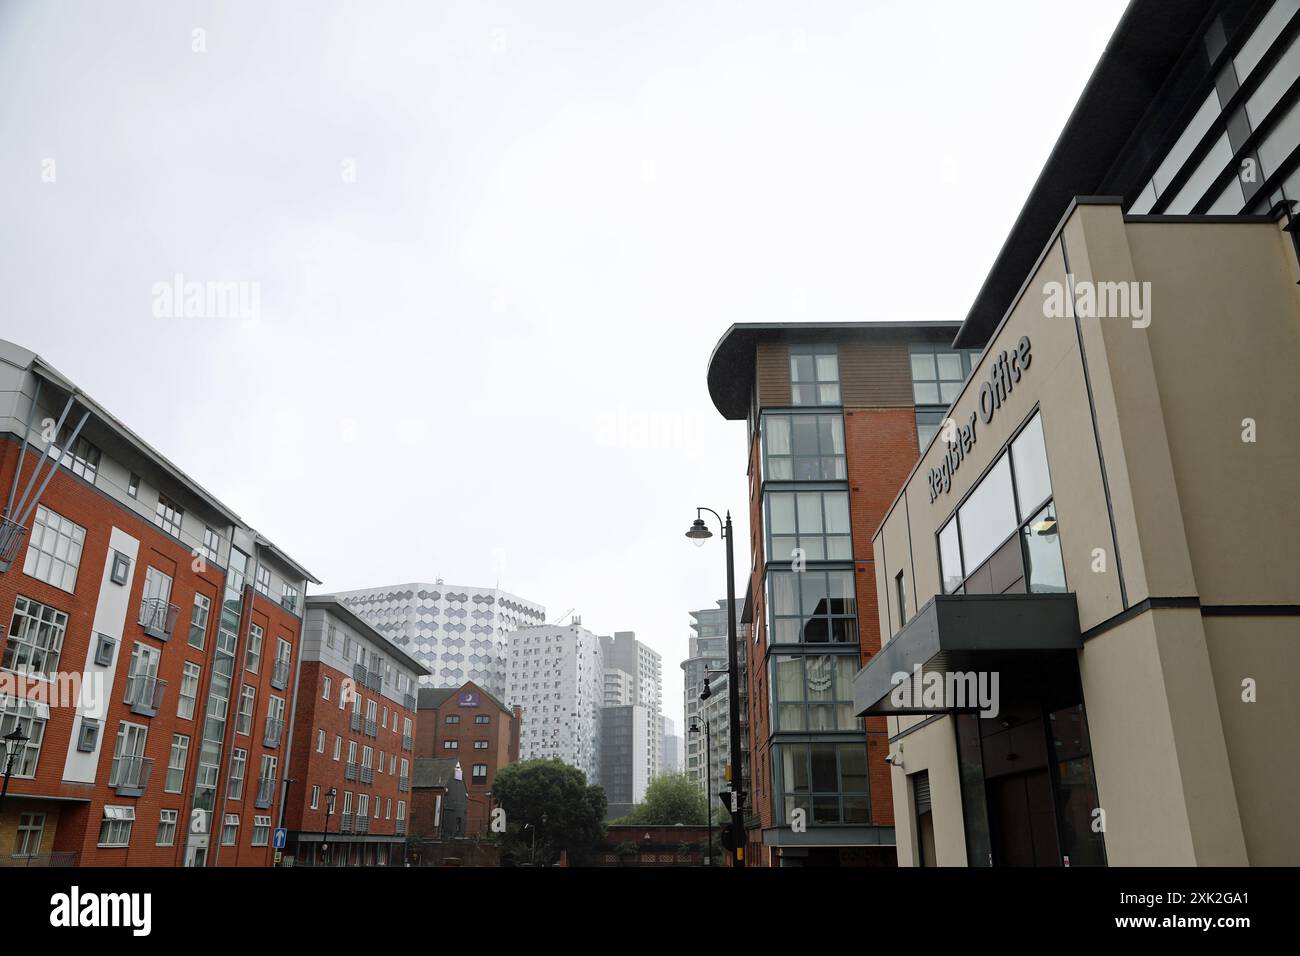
point(468, 698)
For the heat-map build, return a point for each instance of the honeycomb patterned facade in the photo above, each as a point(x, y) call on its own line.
point(458, 633)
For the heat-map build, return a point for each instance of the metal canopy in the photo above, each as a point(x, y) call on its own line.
point(968, 632)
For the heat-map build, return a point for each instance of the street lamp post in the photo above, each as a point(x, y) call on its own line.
point(14, 741)
point(708, 776)
point(699, 533)
point(330, 794)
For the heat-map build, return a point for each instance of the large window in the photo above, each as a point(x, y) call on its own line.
point(28, 718)
point(80, 457)
point(168, 515)
point(115, 828)
point(814, 375)
point(1004, 536)
point(938, 373)
point(54, 552)
point(827, 781)
point(35, 638)
point(814, 522)
point(199, 620)
point(813, 692)
point(189, 690)
point(803, 447)
point(811, 607)
point(176, 763)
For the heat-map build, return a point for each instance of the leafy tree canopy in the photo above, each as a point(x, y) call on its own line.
point(670, 800)
point(555, 798)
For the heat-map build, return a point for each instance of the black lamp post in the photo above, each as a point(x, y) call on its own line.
point(330, 794)
point(699, 533)
point(708, 775)
point(14, 741)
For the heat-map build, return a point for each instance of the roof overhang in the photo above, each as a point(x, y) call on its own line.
point(829, 836)
point(336, 607)
point(964, 634)
point(732, 369)
point(1151, 37)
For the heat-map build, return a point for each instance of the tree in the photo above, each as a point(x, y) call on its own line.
point(568, 813)
point(670, 800)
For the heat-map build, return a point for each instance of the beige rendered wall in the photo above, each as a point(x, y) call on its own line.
point(933, 748)
point(1263, 734)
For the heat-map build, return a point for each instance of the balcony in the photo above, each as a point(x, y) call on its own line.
point(144, 694)
point(345, 823)
point(355, 721)
point(400, 828)
point(407, 742)
point(280, 675)
point(351, 772)
point(408, 701)
point(265, 793)
point(158, 618)
point(367, 774)
point(130, 775)
point(372, 728)
point(404, 784)
point(363, 824)
point(374, 680)
point(274, 729)
point(359, 674)
point(11, 539)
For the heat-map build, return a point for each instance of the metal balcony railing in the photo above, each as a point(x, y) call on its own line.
point(58, 858)
point(280, 675)
point(359, 674)
point(363, 824)
point(404, 784)
point(407, 742)
point(144, 694)
point(408, 701)
point(274, 728)
point(11, 539)
point(265, 793)
point(372, 728)
point(351, 771)
point(345, 823)
point(367, 774)
point(355, 721)
point(130, 775)
point(158, 618)
point(400, 828)
point(374, 680)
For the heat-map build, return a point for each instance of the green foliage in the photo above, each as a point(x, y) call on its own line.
point(567, 812)
point(670, 800)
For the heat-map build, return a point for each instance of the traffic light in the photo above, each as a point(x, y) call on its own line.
point(728, 838)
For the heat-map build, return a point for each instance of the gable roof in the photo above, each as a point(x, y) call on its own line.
point(439, 772)
point(430, 698)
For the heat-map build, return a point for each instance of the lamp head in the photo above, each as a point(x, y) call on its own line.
point(699, 532)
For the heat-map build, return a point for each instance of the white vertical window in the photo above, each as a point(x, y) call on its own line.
point(54, 551)
point(189, 691)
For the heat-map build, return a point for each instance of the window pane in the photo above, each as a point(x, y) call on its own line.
point(950, 555)
point(778, 435)
point(804, 435)
point(926, 393)
point(832, 434)
point(923, 367)
point(781, 509)
point(948, 392)
point(825, 776)
point(840, 589)
point(810, 513)
point(794, 767)
point(784, 599)
point(801, 368)
point(1029, 455)
point(1045, 572)
point(988, 516)
point(949, 366)
point(828, 394)
point(828, 368)
point(837, 512)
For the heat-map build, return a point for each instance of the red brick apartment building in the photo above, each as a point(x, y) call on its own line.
point(472, 725)
point(151, 643)
point(353, 743)
point(836, 415)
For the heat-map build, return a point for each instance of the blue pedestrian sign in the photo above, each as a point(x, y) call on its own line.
point(281, 834)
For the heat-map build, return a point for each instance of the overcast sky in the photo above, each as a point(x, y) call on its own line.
point(494, 245)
